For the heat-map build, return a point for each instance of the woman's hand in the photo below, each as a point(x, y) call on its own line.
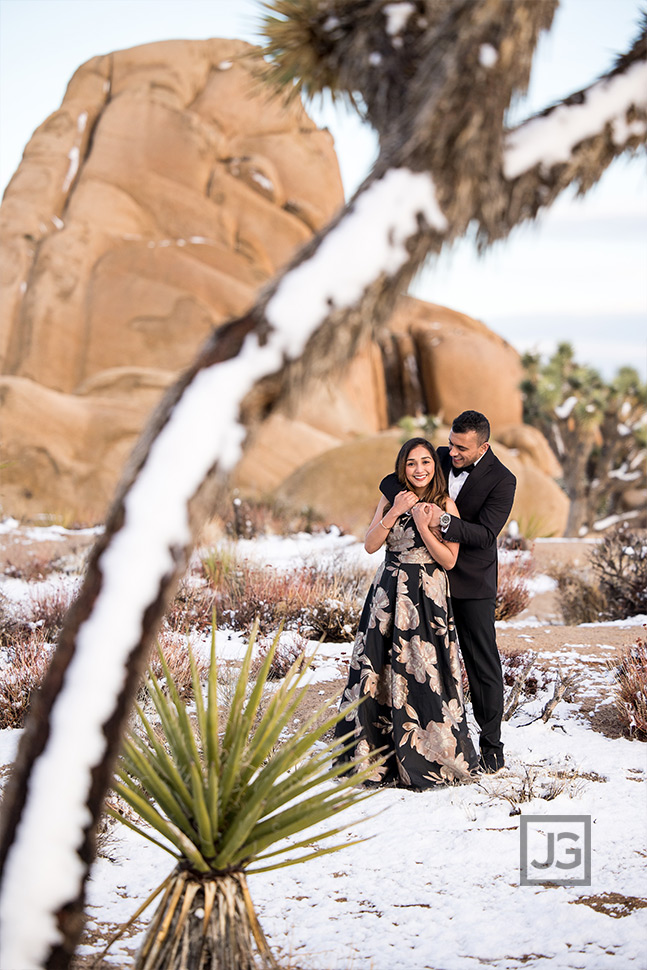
point(404, 501)
point(422, 514)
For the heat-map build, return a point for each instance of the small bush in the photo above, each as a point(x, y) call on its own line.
point(46, 608)
point(252, 517)
point(288, 650)
point(320, 601)
point(513, 594)
point(619, 564)
point(615, 584)
point(191, 609)
point(580, 598)
point(33, 570)
point(24, 662)
point(631, 690)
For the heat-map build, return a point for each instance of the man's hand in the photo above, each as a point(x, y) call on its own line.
point(436, 513)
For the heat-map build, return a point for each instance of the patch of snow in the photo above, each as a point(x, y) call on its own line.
point(639, 620)
point(541, 584)
point(454, 852)
point(81, 122)
point(74, 156)
point(264, 182)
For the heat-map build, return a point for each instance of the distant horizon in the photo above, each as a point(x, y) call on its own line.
point(608, 341)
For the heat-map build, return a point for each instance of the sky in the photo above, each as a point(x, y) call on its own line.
point(579, 274)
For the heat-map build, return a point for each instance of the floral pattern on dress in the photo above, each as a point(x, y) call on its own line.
point(405, 666)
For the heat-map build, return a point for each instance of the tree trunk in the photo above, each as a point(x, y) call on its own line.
point(205, 924)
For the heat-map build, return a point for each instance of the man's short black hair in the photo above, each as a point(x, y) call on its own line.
point(472, 421)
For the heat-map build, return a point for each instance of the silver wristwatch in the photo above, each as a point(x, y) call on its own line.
point(445, 519)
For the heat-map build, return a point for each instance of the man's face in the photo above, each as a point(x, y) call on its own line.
point(464, 449)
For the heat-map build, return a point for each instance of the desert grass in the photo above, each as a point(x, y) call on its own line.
point(631, 689)
point(320, 601)
point(24, 660)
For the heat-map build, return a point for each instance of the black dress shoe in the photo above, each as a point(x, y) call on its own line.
point(491, 762)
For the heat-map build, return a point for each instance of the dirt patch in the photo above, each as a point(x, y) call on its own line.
point(612, 904)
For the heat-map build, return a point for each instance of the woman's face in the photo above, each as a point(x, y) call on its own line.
point(419, 469)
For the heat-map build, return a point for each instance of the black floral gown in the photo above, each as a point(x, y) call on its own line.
point(405, 664)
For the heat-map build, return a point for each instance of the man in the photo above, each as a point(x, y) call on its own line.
point(483, 489)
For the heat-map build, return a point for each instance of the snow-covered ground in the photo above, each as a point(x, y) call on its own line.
point(436, 886)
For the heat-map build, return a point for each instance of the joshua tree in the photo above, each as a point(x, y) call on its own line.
point(435, 79)
point(598, 431)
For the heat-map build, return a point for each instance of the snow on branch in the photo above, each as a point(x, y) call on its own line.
point(550, 138)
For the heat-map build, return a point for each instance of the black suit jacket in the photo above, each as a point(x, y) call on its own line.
point(484, 503)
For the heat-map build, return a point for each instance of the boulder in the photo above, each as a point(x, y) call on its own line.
point(530, 446)
point(148, 209)
point(461, 363)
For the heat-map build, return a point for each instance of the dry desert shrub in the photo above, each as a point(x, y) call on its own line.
point(619, 564)
point(192, 608)
point(321, 601)
point(47, 606)
point(288, 651)
point(250, 517)
point(513, 594)
point(631, 690)
point(23, 661)
point(579, 596)
point(615, 584)
point(32, 570)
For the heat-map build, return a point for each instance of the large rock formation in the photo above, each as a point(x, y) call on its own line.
point(148, 209)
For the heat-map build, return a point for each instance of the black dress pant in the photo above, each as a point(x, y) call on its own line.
point(477, 641)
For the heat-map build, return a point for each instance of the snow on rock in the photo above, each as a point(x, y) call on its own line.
point(551, 138)
point(74, 156)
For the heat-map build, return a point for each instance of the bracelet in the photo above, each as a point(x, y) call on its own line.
point(387, 527)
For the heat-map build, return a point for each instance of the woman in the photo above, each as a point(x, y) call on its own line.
point(405, 660)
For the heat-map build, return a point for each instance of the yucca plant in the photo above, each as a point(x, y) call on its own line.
point(227, 804)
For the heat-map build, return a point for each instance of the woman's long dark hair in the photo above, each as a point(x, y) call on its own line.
point(436, 491)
